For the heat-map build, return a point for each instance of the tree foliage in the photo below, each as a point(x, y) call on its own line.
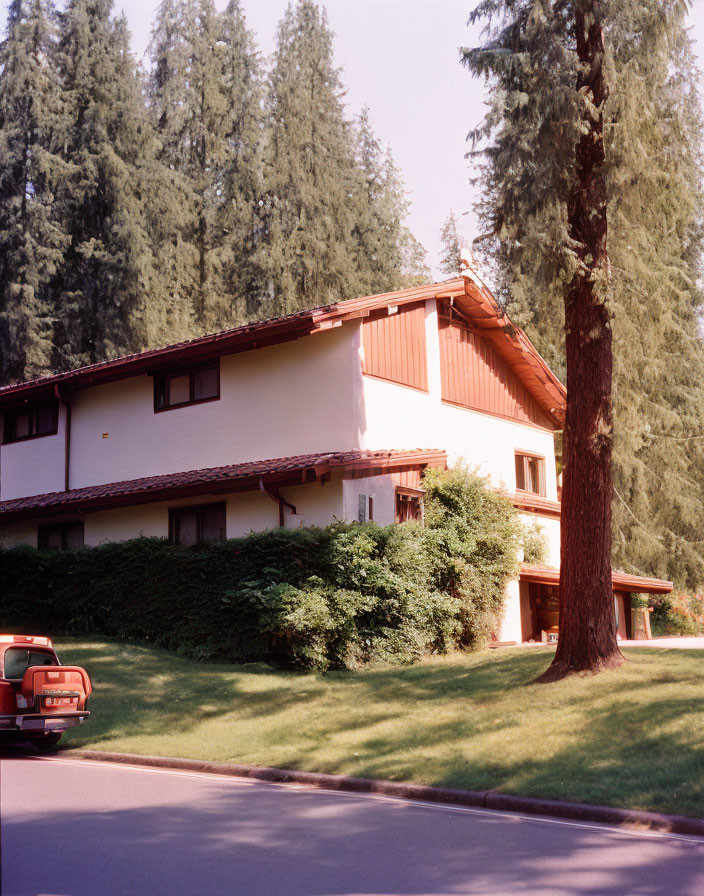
point(107, 273)
point(451, 247)
point(653, 145)
point(141, 209)
point(32, 236)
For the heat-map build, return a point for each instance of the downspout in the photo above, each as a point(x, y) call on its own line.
point(282, 502)
point(67, 436)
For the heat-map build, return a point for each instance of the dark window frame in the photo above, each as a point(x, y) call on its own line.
point(542, 467)
point(161, 383)
point(43, 532)
point(9, 422)
point(175, 512)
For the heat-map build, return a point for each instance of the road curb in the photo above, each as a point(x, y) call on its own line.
point(481, 799)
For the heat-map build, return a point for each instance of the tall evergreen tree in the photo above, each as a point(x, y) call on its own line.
point(388, 256)
point(108, 269)
point(652, 133)
point(547, 60)
point(451, 246)
point(378, 214)
point(206, 102)
point(310, 177)
point(32, 241)
point(241, 188)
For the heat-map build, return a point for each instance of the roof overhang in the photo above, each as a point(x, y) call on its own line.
point(548, 575)
point(275, 473)
point(530, 503)
point(470, 295)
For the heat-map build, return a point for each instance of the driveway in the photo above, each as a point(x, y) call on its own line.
point(91, 829)
point(678, 643)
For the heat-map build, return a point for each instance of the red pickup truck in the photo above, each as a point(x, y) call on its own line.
point(39, 698)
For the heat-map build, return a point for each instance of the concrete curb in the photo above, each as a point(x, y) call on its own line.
point(482, 799)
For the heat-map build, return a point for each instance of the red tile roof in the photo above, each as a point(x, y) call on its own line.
point(281, 471)
point(469, 293)
point(548, 575)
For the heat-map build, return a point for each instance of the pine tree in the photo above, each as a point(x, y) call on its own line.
point(241, 176)
point(31, 238)
point(652, 131)
point(108, 270)
point(206, 103)
point(451, 247)
point(310, 178)
point(388, 257)
point(547, 62)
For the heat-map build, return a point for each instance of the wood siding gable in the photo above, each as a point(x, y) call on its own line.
point(394, 346)
point(475, 376)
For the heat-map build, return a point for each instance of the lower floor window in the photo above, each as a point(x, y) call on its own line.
point(409, 505)
point(61, 536)
point(195, 525)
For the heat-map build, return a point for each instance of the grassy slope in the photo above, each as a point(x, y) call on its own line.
point(632, 737)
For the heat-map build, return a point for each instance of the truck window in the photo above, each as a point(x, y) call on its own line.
point(19, 659)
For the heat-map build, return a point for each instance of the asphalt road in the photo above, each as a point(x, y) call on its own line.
point(73, 828)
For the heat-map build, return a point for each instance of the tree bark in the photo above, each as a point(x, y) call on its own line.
point(587, 640)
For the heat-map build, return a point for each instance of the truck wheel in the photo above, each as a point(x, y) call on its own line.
point(45, 743)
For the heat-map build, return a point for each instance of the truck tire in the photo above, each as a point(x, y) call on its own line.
point(45, 743)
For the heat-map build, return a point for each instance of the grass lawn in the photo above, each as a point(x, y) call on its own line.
point(632, 737)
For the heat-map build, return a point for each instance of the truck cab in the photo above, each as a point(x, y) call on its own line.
point(39, 698)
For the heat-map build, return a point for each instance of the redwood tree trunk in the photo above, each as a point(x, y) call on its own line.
point(587, 640)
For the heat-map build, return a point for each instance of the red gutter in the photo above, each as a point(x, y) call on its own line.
point(67, 436)
point(275, 496)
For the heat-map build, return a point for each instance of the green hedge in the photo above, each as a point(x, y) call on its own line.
point(309, 598)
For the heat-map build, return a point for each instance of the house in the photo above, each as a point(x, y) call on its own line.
point(329, 413)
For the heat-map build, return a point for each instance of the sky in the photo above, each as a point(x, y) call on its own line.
point(401, 59)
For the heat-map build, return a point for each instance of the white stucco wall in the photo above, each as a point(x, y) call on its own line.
point(33, 466)
point(381, 488)
point(511, 623)
point(13, 535)
point(300, 397)
point(316, 505)
point(400, 417)
point(296, 398)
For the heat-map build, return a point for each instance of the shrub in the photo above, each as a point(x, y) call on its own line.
point(535, 543)
point(676, 614)
point(335, 597)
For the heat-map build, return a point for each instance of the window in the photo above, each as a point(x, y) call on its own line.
point(409, 505)
point(530, 473)
point(19, 659)
point(194, 525)
point(61, 536)
point(175, 390)
point(30, 423)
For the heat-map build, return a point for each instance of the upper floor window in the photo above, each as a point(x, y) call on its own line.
point(30, 423)
point(175, 390)
point(530, 473)
point(61, 536)
point(194, 525)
